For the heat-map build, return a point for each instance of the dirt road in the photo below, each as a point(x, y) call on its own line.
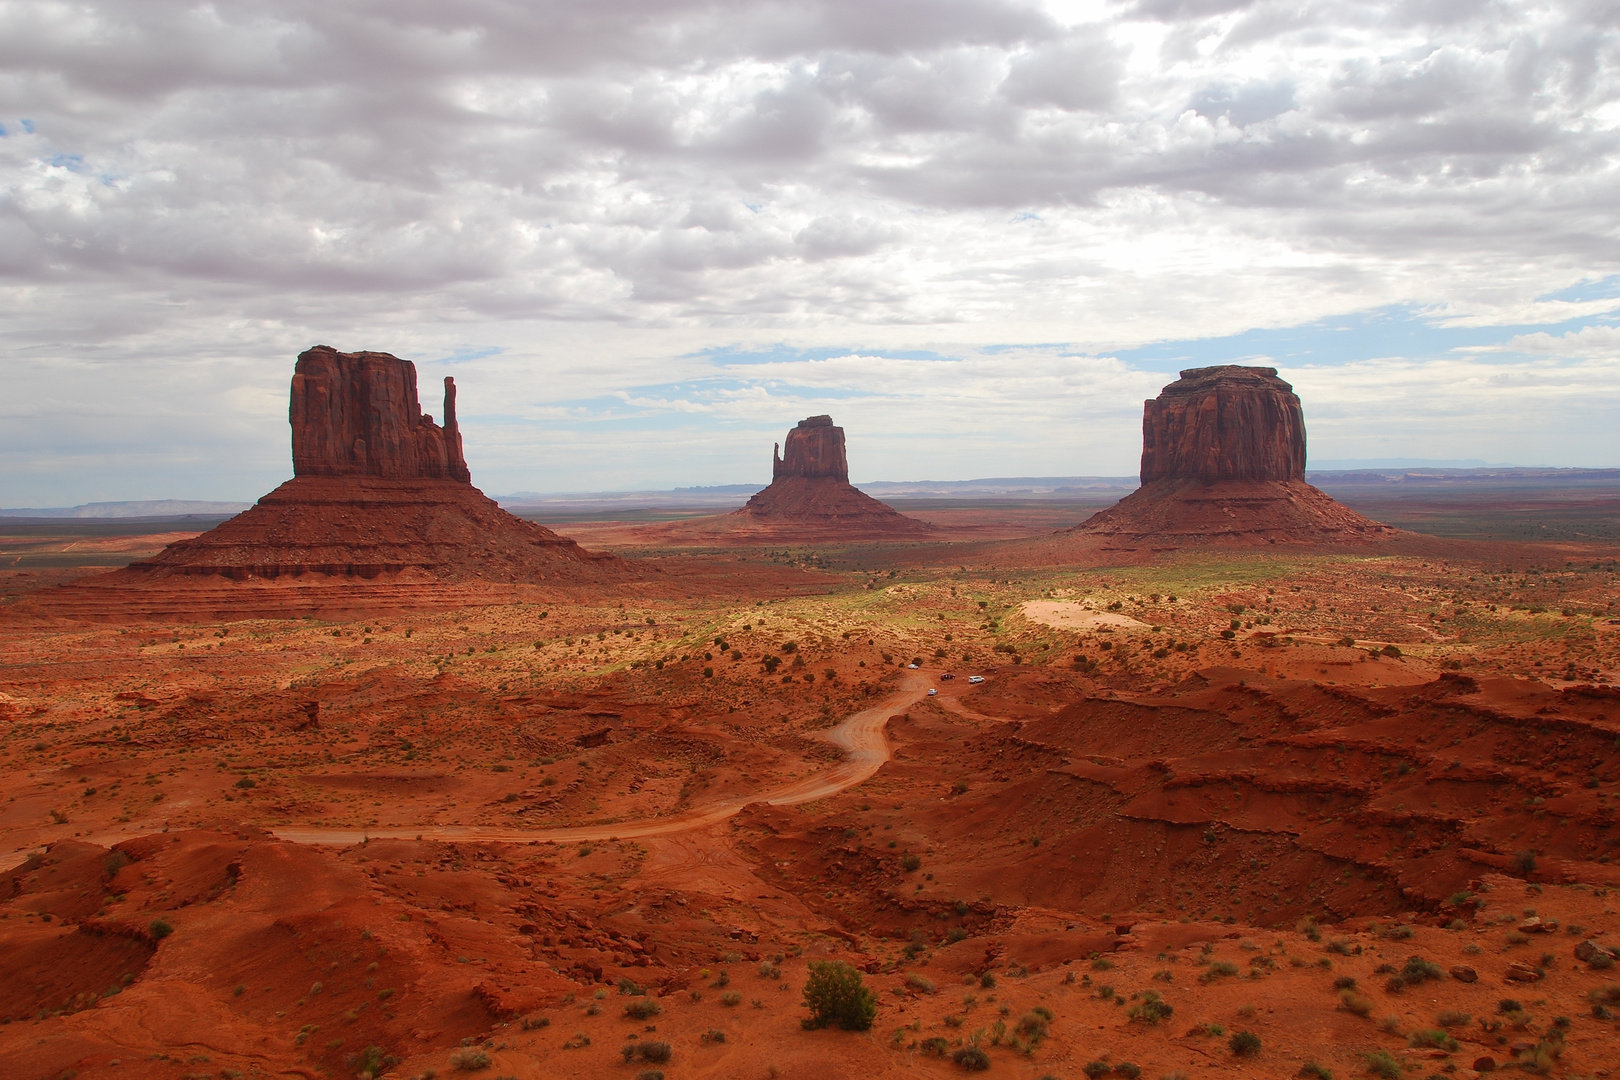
point(861, 737)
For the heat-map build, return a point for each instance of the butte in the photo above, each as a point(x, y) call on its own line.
point(809, 500)
point(1223, 463)
point(380, 495)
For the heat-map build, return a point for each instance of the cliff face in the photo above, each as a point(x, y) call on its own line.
point(356, 414)
point(1223, 462)
point(815, 450)
point(1224, 423)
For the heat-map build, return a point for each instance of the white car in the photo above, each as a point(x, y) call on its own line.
point(911, 667)
point(975, 678)
point(932, 691)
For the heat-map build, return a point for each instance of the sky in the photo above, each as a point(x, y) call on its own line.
point(646, 237)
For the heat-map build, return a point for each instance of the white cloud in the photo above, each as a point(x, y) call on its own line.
point(602, 189)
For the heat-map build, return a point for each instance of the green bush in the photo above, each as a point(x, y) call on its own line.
point(1315, 1072)
point(469, 1059)
point(159, 929)
point(1095, 1069)
point(972, 1059)
point(1151, 1009)
point(1128, 1069)
point(836, 994)
point(1381, 1063)
point(642, 1008)
point(1418, 970)
point(1244, 1043)
point(1356, 1003)
point(1431, 1038)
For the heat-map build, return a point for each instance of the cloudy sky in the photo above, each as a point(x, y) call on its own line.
point(647, 236)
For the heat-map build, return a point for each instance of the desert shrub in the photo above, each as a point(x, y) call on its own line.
point(1418, 970)
point(920, 982)
point(1431, 1038)
point(713, 1035)
point(1217, 969)
point(1345, 982)
point(769, 970)
point(656, 1052)
point(1032, 1026)
point(1313, 1071)
point(159, 929)
point(1524, 863)
point(935, 1046)
point(1094, 1069)
point(1359, 1004)
point(469, 1059)
point(650, 1074)
point(972, 1059)
point(531, 1023)
point(1382, 1063)
point(1128, 1069)
point(1244, 1043)
point(1450, 1018)
point(1390, 1024)
point(1394, 984)
point(836, 994)
point(988, 980)
point(642, 1008)
point(910, 861)
point(730, 998)
point(1607, 994)
point(115, 862)
point(1151, 1009)
point(1102, 963)
point(1105, 992)
point(1509, 1005)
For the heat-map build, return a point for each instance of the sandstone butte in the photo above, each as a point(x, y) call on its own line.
point(1223, 462)
point(378, 489)
point(810, 489)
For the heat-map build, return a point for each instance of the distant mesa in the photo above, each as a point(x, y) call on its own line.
point(378, 489)
point(810, 488)
point(1223, 461)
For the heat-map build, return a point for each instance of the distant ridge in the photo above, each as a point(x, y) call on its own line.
point(149, 508)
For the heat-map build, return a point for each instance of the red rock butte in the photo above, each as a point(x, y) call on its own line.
point(378, 488)
point(1223, 462)
point(810, 489)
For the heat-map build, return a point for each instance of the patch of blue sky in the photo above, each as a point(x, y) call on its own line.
point(1394, 331)
point(27, 126)
point(1604, 288)
point(467, 354)
point(70, 162)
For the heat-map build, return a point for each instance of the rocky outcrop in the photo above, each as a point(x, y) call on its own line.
point(356, 414)
point(815, 450)
point(1223, 462)
point(1224, 423)
point(811, 498)
point(378, 490)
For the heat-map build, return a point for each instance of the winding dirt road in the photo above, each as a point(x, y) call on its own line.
point(861, 737)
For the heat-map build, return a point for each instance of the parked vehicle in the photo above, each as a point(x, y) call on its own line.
point(975, 678)
point(932, 691)
point(912, 667)
point(945, 676)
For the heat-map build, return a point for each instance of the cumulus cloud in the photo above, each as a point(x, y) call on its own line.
point(200, 190)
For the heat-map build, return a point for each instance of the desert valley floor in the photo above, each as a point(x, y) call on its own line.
point(1241, 813)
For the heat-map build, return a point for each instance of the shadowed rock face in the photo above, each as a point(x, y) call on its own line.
point(815, 449)
point(1224, 423)
point(356, 414)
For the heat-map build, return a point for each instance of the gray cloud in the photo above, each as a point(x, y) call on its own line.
point(240, 180)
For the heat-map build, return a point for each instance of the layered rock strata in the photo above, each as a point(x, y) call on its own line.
point(1223, 461)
